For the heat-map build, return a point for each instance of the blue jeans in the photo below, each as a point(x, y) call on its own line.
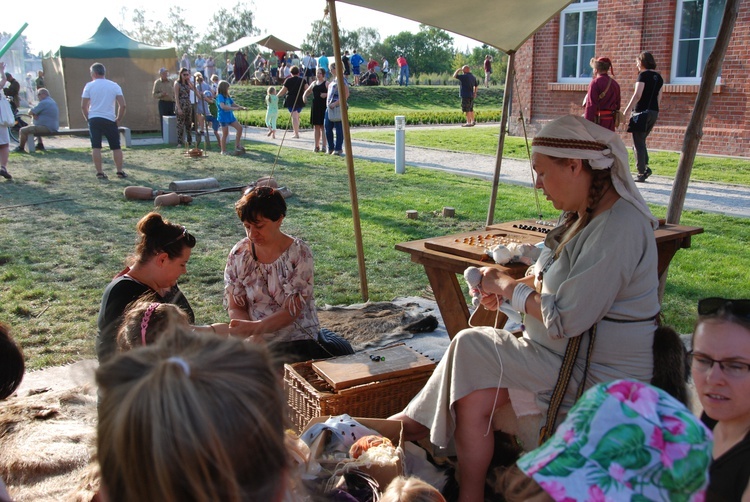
point(329, 134)
point(403, 75)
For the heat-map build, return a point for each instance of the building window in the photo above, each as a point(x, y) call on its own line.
point(577, 41)
point(696, 28)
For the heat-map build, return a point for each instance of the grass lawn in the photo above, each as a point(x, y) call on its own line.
point(65, 234)
point(483, 140)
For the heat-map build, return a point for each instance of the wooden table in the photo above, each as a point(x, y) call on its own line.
point(442, 266)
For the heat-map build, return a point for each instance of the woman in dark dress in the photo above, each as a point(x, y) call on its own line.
point(319, 90)
point(294, 90)
point(240, 66)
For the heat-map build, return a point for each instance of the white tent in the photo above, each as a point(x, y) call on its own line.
point(268, 41)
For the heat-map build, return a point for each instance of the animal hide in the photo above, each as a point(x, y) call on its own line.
point(377, 324)
point(47, 441)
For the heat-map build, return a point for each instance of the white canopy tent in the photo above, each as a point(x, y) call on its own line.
point(268, 41)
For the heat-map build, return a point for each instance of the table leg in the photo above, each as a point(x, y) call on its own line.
point(450, 299)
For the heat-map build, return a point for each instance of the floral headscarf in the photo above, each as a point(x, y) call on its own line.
point(624, 440)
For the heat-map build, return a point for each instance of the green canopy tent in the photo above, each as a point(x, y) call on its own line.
point(132, 64)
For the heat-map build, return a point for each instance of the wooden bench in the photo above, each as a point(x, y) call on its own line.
point(124, 133)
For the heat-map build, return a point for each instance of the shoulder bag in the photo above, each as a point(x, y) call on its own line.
point(7, 119)
point(334, 114)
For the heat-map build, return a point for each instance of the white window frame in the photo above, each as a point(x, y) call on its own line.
point(580, 6)
point(676, 47)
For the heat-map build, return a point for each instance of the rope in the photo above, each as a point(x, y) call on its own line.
point(528, 150)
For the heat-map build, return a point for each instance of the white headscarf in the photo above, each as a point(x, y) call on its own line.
point(573, 137)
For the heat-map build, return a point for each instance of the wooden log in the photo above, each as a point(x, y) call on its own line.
point(412, 214)
point(200, 184)
point(449, 212)
point(140, 193)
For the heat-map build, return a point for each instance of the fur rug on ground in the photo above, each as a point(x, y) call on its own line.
point(377, 324)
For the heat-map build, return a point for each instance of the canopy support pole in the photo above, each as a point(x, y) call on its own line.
point(503, 130)
point(348, 149)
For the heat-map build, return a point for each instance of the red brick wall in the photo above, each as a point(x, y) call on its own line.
point(624, 29)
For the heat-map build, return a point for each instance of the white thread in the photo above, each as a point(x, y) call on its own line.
point(181, 363)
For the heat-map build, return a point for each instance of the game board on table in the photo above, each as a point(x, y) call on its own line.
point(475, 245)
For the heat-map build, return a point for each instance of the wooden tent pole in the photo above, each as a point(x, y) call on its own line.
point(503, 129)
point(694, 131)
point(348, 149)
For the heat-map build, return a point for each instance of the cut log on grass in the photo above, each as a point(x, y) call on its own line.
point(172, 199)
point(200, 184)
point(140, 193)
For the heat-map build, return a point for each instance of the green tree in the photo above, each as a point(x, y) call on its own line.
point(180, 33)
point(142, 28)
point(320, 37)
point(428, 51)
point(226, 26)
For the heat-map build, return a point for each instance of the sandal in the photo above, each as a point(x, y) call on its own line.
point(102, 176)
point(122, 174)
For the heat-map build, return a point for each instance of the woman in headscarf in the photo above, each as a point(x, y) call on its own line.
point(595, 283)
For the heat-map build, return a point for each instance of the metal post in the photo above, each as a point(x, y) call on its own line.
point(400, 144)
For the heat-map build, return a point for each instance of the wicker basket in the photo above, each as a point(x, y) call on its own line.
point(309, 396)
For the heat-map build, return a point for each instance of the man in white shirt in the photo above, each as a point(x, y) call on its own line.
point(103, 107)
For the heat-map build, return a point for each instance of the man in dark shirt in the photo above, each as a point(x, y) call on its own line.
point(468, 93)
point(12, 91)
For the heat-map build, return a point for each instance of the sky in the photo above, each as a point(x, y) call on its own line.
point(53, 23)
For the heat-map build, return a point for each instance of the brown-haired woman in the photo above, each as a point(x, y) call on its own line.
point(720, 366)
point(645, 100)
point(183, 107)
point(603, 96)
point(160, 258)
point(268, 284)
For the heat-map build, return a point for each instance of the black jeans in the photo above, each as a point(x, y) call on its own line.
point(639, 142)
point(165, 108)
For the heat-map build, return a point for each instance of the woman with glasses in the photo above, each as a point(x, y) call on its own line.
point(268, 284)
point(720, 367)
point(160, 258)
point(183, 107)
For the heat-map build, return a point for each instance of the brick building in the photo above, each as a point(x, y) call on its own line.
point(553, 69)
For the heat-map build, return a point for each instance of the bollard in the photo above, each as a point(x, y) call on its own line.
point(400, 144)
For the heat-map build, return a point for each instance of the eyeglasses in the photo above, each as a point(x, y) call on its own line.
point(183, 235)
point(715, 305)
point(703, 363)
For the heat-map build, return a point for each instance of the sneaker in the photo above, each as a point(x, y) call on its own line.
point(5, 174)
point(649, 172)
point(40, 147)
point(338, 153)
point(18, 149)
point(641, 178)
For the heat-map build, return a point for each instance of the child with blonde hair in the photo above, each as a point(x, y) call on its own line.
point(199, 421)
point(272, 111)
point(411, 489)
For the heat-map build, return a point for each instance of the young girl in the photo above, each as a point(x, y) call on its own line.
point(272, 111)
point(146, 321)
point(226, 118)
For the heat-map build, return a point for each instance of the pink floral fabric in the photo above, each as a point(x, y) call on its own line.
point(265, 288)
point(624, 440)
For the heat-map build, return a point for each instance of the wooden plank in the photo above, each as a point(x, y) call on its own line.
point(356, 369)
